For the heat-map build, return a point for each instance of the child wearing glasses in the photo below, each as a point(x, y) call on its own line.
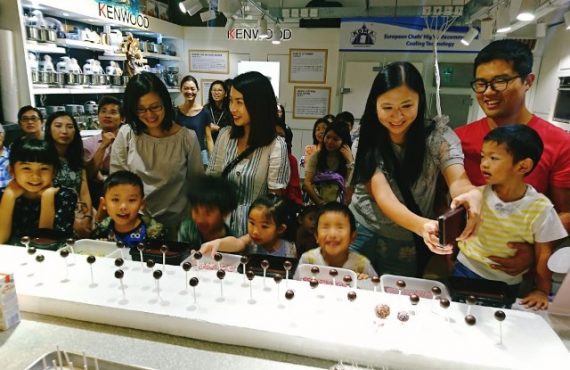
point(162, 153)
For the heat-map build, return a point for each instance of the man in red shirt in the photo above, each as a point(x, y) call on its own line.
point(503, 75)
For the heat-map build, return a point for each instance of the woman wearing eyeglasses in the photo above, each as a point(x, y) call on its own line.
point(397, 163)
point(162, 153)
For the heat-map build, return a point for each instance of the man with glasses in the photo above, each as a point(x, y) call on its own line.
point(31, 122)
point(503, 75)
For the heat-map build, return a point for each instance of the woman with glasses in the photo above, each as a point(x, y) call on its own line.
point(164, 154)
point(31, 121)
point(192, 115)
point(398, 160)
point(249, 152)
point(217, 108)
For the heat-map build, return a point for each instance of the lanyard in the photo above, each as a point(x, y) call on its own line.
point(214, 118)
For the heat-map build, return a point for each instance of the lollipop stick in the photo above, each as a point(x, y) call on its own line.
point(500, 332)
point(142, 262)
point(194, 292)
point(222, 288)
point(286, 278)
point(164, 261)
point(59, 359)
point(122, 287)
point(264, 273)
point(186, 285)
point(250, 292)
point(91, 270)
point(334, 283)
point(243, 264)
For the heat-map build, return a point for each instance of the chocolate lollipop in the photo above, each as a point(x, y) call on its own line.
point(315, 270)
point(289, 294)
point(119, 262)
point(40, 258)
point(403, 316)
point(64, 253)
point(500, 317)
point(347, 280)
point(333, 273)
point(70, 243)
point(150, 263)
point(119, 274)
point(287, 265)
point(470, 320)
point(250, 275)
point(91, 260)
point(313, 283)
point(401, 284)
point(25, 240)
point(193, 283)
point(140, 248)
point(218, 258)
point(471, 300)
point(221, 274)
point(445, 303)
point(157, 274)
point(351, 295)
point(277, 278)
point(31, 251)
point(163, 250)
point(120, 245)
point(264, 266)
point(243, 260)
point(376, 281)
point(197, 256)
point(186, 266)
point(436, 292)
point(382, 311)
point(414, 299)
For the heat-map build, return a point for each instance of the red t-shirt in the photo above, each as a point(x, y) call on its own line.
point(552, 169)
point(293, 190)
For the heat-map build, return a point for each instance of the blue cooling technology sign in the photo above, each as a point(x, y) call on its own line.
point(402, 34)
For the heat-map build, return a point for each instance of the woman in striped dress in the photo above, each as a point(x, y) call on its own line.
point(249, 152)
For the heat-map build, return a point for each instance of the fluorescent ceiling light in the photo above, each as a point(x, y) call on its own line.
point(503, 19)
point(469, 36)
point(526, 11)
point(191, 7)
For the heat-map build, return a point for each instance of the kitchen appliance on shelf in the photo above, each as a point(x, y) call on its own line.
point(562, 106)
point(172, 76)
point(50, 109)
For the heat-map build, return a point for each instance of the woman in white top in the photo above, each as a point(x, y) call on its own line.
point(249, 152)
point(161, 152)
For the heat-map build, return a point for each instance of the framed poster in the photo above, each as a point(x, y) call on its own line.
point(205, 89)
point(311, 101)
point(209, 61)
point(308, 65)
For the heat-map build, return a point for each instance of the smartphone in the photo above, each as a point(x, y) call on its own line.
point(451, 225)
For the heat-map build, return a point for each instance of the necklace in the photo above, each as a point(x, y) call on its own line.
point(219, 119)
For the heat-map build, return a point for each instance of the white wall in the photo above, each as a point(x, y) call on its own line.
point(216, 39)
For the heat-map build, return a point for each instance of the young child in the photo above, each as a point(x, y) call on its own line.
point(212, 199)
point(268, 229)
point(123, 198)
point(336, 230)
point(30, 202)
point(306, 229)
point(512, 211)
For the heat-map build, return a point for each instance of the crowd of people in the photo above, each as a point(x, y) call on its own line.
point(222, 176)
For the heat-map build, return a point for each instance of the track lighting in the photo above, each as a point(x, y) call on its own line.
point(191, 7)
point(470, 36)
point(526, 11)
point(276, 34)
point(263, 28)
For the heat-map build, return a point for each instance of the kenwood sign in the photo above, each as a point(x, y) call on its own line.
point(249, 34)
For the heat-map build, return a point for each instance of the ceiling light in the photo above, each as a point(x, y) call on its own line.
point(276, 34)
point(208, 15)
point(263, 28)
point(503, 19)
point(487, 28)
point(191, 7)
point(567, 19)
point(470, 36)
point(526, 11)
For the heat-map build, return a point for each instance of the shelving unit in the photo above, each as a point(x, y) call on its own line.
point(85, 45)
point(84, 90)
point(35, 47)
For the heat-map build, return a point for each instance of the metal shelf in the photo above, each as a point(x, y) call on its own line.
point(44, 48)
point(85, 45)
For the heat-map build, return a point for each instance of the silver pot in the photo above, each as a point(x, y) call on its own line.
point(35, 76)
point(101, 80)
point(73, 79)
point(90, 107)
point(44, 77)
point(32, 33)
point(116, 80)
point(51, 35)
point(54, 108)
point(58, 79)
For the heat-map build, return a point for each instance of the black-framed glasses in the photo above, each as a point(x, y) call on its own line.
point(152, 108)
point(497, 84)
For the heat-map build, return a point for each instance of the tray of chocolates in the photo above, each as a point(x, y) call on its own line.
point(63, 360)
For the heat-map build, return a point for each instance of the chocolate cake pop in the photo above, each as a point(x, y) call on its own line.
point(91, 260)
point(250, 275)
point(315, 270)
point(277, 278)
point(120, 245)
point(150, 263)
point(414, 299)
point(119, 262)
point(400, 284)
point(264, 266)
point(436, 291)
point(140, 248)
point(70, 243)
point(163, 250)
point(313, 283)
point(289, 294)
point(333, 273)
point(31, 251)
point(119, 274)
point(186, 266)
point(382, 311)
point(25, 241)
point(445, 303)
point(221, 274)
point(375, 281)
point(40, 258)
point(351, 295)
point(287, 266)
point(500, 317)
point(64, 253)
point(157, 274)
point(470, 320)
point(194, 283)
point(218, 258)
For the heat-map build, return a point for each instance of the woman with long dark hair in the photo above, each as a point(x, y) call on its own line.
point(399, 158)
point(218, 108)
point(249, 152)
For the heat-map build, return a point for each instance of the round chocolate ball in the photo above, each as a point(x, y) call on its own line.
point(40, 258)
point(194, 281)
point(414, 299)
point(470, 320)
point(436, 290)
point(287, 265)
point(198, 255)
point(313, 283)
point(163, 249)
point(277, 278)
point(375, 280)
point(70, 242)
point(64, 253)
point(403, 316)
point(186, 266)
point(218, 257)
point(382, 311)
point(347, 279)
point(157, 274)
point(265, 264)
point(401, 284)
point(471, 299)
point(351, 295)
point(25, 240)
point(315, 270)
point(289, 294)
point(244, 259)
point(333, 272)
point(31, 250)
point(91, 259)
point(119, 274)
point(150, 263)
point(119, 262)
point(444, 303)
point(221, 274)
point(250, 275)
point(500, 315)
point(140, 247)
point(120, 244)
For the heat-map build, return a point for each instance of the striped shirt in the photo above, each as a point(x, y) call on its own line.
point(530, 219)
